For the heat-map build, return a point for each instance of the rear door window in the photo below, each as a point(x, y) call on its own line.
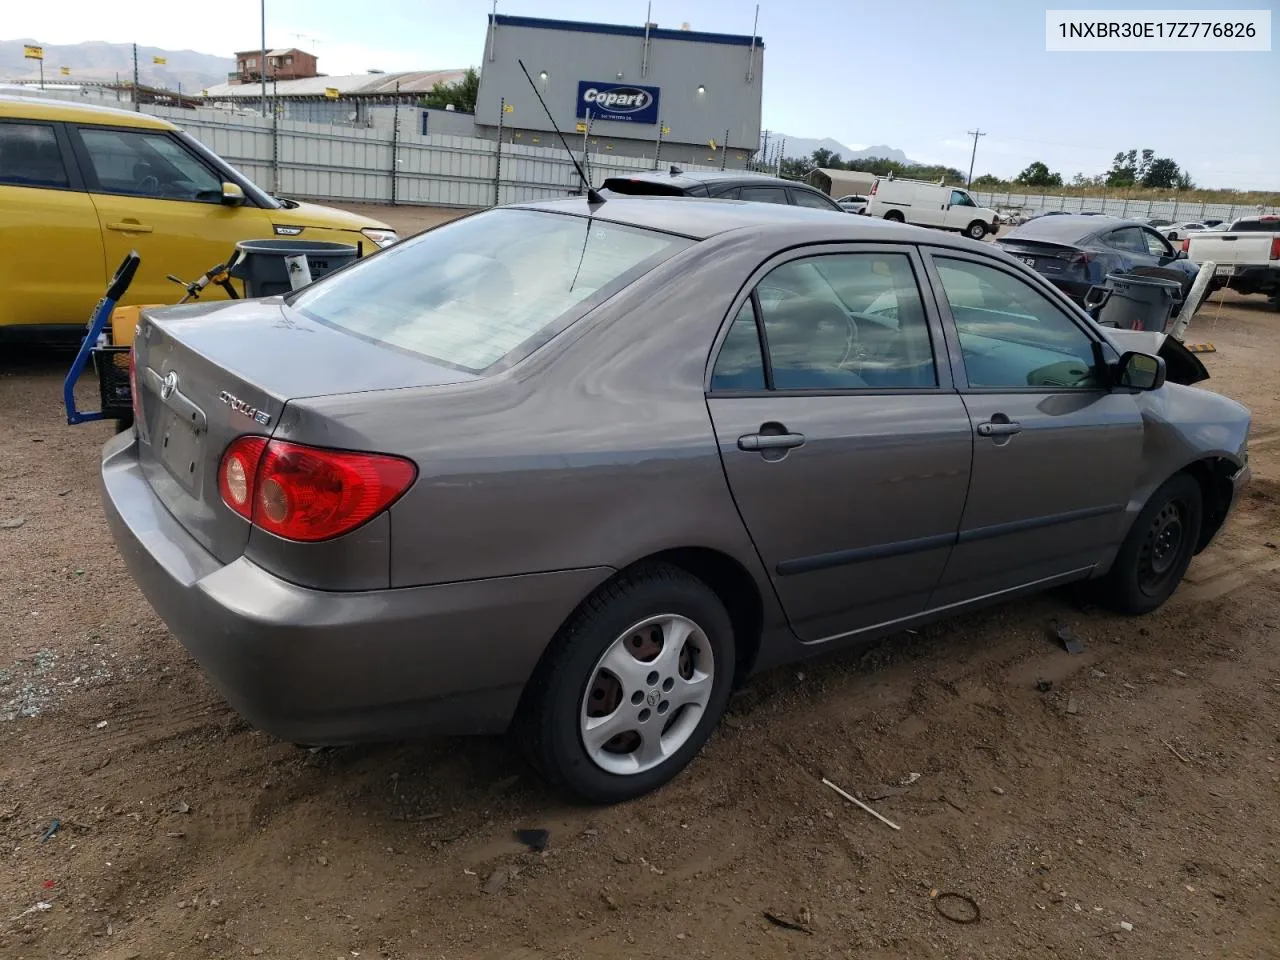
point(1129, 239)
point(486, 290)
point(30, 157)
point(840, 321)
point(764, 194)
point(804, 198)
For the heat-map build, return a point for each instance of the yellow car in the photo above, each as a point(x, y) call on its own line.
point(81, 186)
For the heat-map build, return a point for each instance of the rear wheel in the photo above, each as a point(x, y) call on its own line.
point(1158, 549)
point(976, 230)
point(895, 216)
point(631, 687)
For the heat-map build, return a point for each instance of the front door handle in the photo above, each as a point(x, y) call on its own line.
point(130, 226)
point(770, 441)
point(999, 429)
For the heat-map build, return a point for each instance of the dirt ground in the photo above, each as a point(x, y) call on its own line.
point(1123, 801)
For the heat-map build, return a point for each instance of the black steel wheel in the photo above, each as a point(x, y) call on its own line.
point(1156, 553)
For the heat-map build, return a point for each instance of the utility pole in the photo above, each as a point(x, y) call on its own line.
point(262, 66)
point(136, 105)
point(973, 156)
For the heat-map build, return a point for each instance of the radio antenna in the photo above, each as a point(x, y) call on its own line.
point(593, 198)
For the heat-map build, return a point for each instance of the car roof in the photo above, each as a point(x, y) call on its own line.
point(38, 108)
point(1071, 226)
point(689, 177)
point(700, 218)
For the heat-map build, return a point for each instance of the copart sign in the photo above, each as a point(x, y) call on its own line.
point(617, 101)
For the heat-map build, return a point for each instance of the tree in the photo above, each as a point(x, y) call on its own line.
point(1038, 175)
point(1184, 181)
point(1163, 173)
point(1128, 169)
point(825, 158)
point(988, 180)
point(794, 168)
point(461, 94)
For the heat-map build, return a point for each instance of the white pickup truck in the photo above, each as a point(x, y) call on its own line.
point(1246, 254)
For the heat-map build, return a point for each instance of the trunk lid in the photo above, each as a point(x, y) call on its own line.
point(1050, 259)
point(208, 373)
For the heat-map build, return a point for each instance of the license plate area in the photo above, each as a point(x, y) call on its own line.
point(1222, 270)
point(179, 445)
point(1029, 261)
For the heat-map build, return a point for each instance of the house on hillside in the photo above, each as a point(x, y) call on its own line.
point(291, 64)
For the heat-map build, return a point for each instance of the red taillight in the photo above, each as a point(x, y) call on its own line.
point(873, 188)
point(1186, 244)
point(1275, 248)
point(1080, 258)
point(307, 493)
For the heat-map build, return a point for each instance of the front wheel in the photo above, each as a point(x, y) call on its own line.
point(894, 216)
point(976, 230)
point(1158, 549)
point(632, 686)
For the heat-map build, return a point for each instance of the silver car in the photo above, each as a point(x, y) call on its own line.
point(577, 470)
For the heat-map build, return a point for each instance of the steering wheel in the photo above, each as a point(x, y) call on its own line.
point(149, 184)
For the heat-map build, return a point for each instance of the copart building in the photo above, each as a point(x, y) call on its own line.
point(633, 91)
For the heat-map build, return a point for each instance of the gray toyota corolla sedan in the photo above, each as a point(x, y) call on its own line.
point(574, 471)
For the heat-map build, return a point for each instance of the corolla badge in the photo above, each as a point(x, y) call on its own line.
point(168, 385)
point(239, 406)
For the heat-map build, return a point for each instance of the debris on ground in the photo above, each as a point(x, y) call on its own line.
point(180, 806)
point(53, 828)
point(39, 907)
point(784, 923)
point(1072, 706)
point(858, 803)
point(956, 907)
point(534, 839)
point(498, 879)
point(1066, 637)
point(1043, 685)
point(884, 792)
point(12, 524)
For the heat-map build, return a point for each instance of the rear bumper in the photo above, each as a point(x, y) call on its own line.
point(321, 667)
point(1253, 278)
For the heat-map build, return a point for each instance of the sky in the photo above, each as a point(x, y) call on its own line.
point(912, 74)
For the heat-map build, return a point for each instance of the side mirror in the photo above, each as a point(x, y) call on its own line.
point(232, 195)
point(1140, 371)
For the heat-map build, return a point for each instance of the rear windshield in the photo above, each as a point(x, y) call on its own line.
point(486, 291)
point(1256, 225)
point(643, 188)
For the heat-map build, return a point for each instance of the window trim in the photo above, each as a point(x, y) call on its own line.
point(1102, 348)
point(1168, 254)
point(93, 185)
point(939, 344)
point(70, 164)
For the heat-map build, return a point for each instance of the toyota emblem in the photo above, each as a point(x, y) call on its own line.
point(168, 385)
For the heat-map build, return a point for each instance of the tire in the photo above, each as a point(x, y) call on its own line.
point(976, 230)
point(572, 686)
point(895, 216)
point(1143, 577)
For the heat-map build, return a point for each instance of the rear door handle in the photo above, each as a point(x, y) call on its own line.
point(130, 226)
point(996, 429)
point(770, 441)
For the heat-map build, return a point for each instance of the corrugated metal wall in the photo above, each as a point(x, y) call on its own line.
point(324, 162)
point(1178, 211)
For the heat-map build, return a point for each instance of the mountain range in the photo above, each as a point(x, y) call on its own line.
point(107, 61)
point(803, 148)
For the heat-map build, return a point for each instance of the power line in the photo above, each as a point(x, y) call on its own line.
point(973, 156)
